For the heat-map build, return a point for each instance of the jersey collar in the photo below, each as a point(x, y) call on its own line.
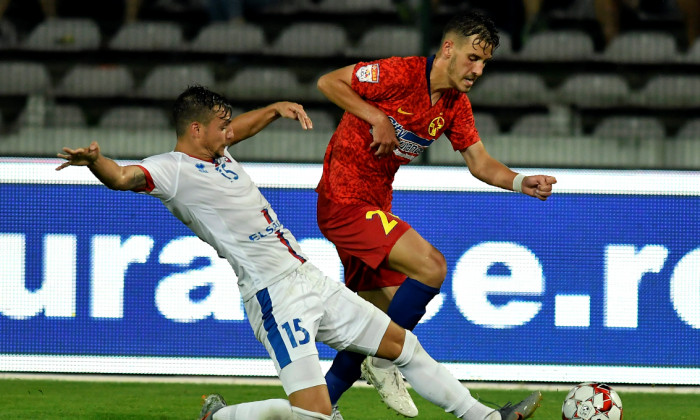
point(428, 68)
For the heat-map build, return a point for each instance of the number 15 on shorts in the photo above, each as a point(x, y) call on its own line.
point(298, 332)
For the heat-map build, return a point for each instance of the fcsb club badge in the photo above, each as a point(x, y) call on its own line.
point(368, 73)
point(435, 125)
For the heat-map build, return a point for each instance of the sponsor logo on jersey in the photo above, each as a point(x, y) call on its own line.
point(200, 168)
point(435, 125)
point(410, 144)
point(368, 73)
point(401, 111)
point(272, 229)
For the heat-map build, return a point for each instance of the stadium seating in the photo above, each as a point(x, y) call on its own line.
point(562, 45)
point(692, 56)
point(584, 107)
point(486, 124)
point(387, 41)
point(641, 47)
point(510, 89)
point(165, 82)
point(310, 39)
point(23, 78)
point(355, 6)
point(683, 151)
point(690, 130)
point(66, 35)
point(134, 118)
point(52, 115)
point(264, 84)
point(594, 90)
point(505, 48)
point(148, 36)
point(229, 38)
point(284, 145)
point(541, 125)
point(8, 35)
point(321, 119)
point(96, 81)
point(665, 91)
point(625, 128)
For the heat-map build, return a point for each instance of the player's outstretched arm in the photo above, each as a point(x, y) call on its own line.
point(109, 172)
point(252, 122)
point(493, 172)
point(337, 87)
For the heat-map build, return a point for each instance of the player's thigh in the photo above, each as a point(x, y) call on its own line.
point(285, 318)
point(418, 259)
point(381, 298)
point(364, 232)
point(352, 323)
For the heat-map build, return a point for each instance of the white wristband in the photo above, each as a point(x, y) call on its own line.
point(518, 183)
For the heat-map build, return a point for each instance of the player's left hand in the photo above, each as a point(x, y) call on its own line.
point(294, 111)
point(81, 156)
point(538, 186)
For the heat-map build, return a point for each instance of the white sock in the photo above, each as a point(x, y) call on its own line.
point(276, 409)
point(302, 414)
point(382, 363)
point(481, 412)
point(432, 381)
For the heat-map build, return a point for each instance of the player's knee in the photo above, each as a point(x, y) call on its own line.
point(408, 348)
point(392, 342)
point(435, 269)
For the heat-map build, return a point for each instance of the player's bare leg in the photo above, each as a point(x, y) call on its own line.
point(417, 258)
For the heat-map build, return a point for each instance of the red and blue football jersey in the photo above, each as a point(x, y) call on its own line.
point(352, 174)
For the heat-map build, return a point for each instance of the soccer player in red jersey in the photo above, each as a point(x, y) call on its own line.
point(394, 109)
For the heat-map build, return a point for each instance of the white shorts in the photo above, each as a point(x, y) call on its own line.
point(289, 316)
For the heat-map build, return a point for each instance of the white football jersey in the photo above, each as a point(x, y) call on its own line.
point(220, 203)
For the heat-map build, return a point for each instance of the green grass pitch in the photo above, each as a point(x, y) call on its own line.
point(42, 399)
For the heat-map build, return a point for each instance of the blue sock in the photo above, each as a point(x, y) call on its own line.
point(344, 371)
point(406, 309)
point(409, 303)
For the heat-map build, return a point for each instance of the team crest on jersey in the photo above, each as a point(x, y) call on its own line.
point(435, 125)
point(368, 73)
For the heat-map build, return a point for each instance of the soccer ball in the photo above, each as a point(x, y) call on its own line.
point(592, 401)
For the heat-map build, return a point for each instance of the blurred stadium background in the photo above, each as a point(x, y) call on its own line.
point(556, 94)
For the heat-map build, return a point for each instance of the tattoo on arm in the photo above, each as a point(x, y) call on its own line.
point(138, 179)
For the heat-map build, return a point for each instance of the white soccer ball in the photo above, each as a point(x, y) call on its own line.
point(592, 401)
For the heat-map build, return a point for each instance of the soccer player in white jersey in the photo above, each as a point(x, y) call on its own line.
point(290, 304)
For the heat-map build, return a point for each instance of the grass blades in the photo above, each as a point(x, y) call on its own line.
point(77, 400)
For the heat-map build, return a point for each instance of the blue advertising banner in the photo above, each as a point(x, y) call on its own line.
point(592, 284)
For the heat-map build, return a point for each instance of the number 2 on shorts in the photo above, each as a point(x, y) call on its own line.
point(388, 226)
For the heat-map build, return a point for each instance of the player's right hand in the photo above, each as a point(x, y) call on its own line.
point(384, 138)
point(82, 156)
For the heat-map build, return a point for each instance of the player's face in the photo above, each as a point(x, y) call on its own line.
point(468, 62)
point(218, 133)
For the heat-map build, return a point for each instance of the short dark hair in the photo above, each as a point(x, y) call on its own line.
point(474, 23)
point(197, 103)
